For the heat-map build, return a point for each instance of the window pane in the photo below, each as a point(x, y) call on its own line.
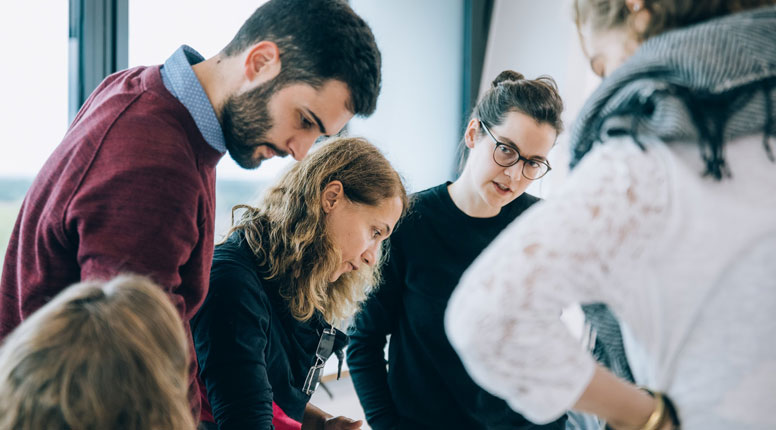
point(33, 81)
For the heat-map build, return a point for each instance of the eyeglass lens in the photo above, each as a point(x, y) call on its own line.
point(505, 156)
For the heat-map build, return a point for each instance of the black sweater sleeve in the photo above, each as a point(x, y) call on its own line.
point(230, 334)
point(366, 350)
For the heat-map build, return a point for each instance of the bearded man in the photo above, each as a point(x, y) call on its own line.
point(131, 187)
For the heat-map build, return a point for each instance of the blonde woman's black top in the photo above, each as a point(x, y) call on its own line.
point(250, 350)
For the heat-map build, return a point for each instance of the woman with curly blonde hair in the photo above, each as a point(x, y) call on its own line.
point(302, 260)
point(100, 355)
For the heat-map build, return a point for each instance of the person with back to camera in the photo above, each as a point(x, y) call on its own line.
point(131, 188)
point(508, 137)
point(668, 218)
point(287, 272)
point(100, 355)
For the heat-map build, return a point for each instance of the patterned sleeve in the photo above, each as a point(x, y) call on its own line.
point(503, 318)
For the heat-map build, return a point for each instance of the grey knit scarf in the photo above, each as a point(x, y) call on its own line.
point(706, 83)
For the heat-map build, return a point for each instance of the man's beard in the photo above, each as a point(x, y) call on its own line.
point(245, 121)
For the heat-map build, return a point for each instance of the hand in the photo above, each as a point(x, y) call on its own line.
point(620, 404)
point(341, 423)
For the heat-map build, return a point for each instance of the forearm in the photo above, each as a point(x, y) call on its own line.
point(314, 418)
point(371, 384)
point(237, 400)
point(366, 360)
point(621, 404)
point(230, 337)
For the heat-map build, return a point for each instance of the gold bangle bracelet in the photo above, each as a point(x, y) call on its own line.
point(658, 415)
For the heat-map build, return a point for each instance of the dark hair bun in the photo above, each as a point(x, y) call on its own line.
point(507, 75)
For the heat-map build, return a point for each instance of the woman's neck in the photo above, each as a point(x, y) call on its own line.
point(469, 201)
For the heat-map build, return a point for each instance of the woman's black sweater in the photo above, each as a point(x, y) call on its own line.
point(425, 385)
point(250, 349)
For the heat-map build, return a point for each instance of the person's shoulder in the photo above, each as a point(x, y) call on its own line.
point(155, 119)
point(154, 99)
point(526, 199)
point(236, 271)
point(519, 205)
point(428, 200)
point(142, 112)
point(131, 114)
point(127, 91)
point(429, 195)
point(421, 204)
point(235, 250)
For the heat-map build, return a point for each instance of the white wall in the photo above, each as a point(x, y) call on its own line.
point(418, 113)
point(539, 38)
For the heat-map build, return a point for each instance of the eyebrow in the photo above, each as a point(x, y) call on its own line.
point(387, 229)
point(318, 121)
point(507, 141)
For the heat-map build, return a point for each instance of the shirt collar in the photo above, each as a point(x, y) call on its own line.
point(179, 79)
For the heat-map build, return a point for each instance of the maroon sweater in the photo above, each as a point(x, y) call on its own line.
point(131, 188)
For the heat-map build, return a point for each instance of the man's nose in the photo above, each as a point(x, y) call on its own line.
point(299, 148)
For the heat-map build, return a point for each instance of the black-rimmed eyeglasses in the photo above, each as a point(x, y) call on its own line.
point(506, 155)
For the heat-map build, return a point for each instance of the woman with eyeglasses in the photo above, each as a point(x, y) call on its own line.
point(289, 269)
point(669, 217)
point(510, 133)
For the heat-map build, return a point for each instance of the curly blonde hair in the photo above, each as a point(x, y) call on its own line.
point(100, 355)
point(287, 232)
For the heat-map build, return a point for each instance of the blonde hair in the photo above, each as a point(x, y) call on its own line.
point(665, 14)
point(100, 355)
point(287, 231)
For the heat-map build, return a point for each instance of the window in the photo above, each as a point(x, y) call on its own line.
point(34, 84)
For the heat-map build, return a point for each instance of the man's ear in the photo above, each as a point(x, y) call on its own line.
point(262, 62)
point(332, 195)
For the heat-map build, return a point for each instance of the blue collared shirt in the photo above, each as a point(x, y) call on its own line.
point(179, 79)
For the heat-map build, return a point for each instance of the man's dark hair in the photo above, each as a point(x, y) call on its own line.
point(318, 40)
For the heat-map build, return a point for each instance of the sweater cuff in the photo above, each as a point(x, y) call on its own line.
point(385, 422)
